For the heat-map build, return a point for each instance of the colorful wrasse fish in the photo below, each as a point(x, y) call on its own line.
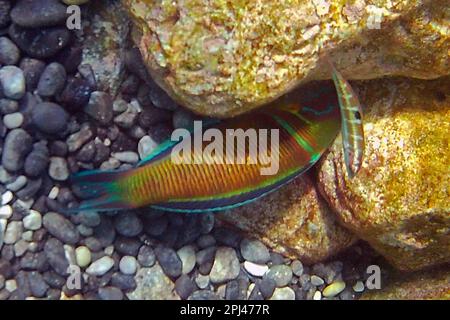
point(352, 123)
point(306, 129)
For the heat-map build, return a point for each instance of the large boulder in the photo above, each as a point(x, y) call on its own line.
point(294, 221)
point(224, 58)
point(399, 201)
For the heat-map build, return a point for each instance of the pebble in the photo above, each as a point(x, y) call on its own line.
point(9, 53)
point(8, 106)
point(128, 224)
point(359, 286)
point(254, 251)
point(100, 107)
point(188, 258)
point(285, 293)
point(281, 274)
point(7, 197)
point(146, 256)
point(40, 43)
point(83, 256)
point(254, 269)
point(202, 281)
point(2, 231)
point(184, 286)
point(317, 281)
point(205, 241)
point(110, 293)
point(13, 232)
point(5, 7)
point(128, 265)
point(11, 285)
point(17, 184)
point(100, 267)
point(58, 169)
point(146, 146)
point(6, 212)
point(38, 13)
point(32, 70)
point(127, 157)
point(297, 267)
point(267, 287)
point(13, 120)
point(226, 266)
point(20, 247)
point(169, 261)
point(12, 80)
point(123, 281)
point(38, 286)
point(49, 117)
point(61, 228)
point(334, 289)
point(37, 160)
point(56, 257)
point(52, 80)
point(18, 144)
point(33, 221)
point(317, 295)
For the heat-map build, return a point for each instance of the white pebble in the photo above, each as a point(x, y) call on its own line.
point(11, 285)
point(128, 265)
point(127, 157)
point(317, 281)
point(100, 267)
point(53, 194)
point(7, 197)
point(109, 250)
point(83, 256)
point(359, 286)
point(13, 120)
point(317, 295)
point(6, 212)
point(254, 269)
point(33, 221)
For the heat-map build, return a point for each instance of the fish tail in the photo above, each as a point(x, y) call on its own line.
point(101, 191)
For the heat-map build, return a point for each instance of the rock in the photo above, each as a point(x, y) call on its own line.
point(100, 107)
point(184, 286)
point(254, 251)
point(52, 80)
point(294, 220)
point(281, 274)
point(83, 256)
point(76, 93)
point(9, 53)
point(49, 117)
point(146, 256)
point(127, 157)
point(398, 201)
point(297, 268)
point(187, 257)
point(5, 7)
point(13, 120)
point(37, 160)
point(226, 266)
point(58, 169)
point(254, 269)
point(18, 144)
point(264, 49)
point(202, 281)
point(33, 221)
point(8, 106)
point(128, 224)
point(32, 70)
point(110, 293)
point(285, 293)
point(169, 261)
point(153, 284)
point(12, 80)
point(40, 43)
point(128, 265)
point(38, 286)
point(316, 281)
point(101, 266)
point(123, 281)
point(104, 44)
point(54, 251)
point(76, 140)
point(146, 146)
point(431, 284)
point(333, 289)
point(61, 228)
point(13, 232)
point(41, 13)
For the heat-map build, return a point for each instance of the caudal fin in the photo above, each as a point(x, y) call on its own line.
point(100, 191)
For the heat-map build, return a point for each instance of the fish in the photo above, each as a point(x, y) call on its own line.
point(307, 123)
point(352, 123)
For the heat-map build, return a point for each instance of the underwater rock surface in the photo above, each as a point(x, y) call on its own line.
point(399, 201)
point(430, 285)
point(294, 221)
point(225, 58)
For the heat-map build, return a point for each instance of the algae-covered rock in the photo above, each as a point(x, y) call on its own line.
point(294, 221)
point(399, 201)
point(104, 37)
point(222, 58)
point(429, 285)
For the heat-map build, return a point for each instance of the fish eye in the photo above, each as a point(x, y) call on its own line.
point(357, 115)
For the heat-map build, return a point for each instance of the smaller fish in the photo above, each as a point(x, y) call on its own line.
point(352, 123)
